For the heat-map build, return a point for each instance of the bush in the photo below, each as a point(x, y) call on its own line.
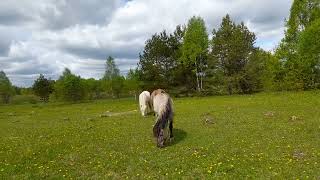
point(70, 87)
point(25, 99)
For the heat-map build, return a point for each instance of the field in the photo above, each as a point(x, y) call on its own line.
point(275, 135)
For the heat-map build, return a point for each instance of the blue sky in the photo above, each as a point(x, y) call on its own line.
point(48, 35)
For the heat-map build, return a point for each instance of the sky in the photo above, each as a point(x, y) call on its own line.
point(46, 36)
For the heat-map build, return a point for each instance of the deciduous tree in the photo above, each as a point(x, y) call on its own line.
point(70, 87)
point(43, 87)
point(6, 88)
point(195, 48)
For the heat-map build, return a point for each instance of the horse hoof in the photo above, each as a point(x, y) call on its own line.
point(171, 139)
point(160, 145)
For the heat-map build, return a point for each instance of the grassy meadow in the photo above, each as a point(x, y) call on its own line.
point(274, 135)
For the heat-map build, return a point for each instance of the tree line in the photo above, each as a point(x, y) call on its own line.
point(190, 62)
point(72, 88)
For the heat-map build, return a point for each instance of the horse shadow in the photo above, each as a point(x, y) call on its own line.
point(179, 135)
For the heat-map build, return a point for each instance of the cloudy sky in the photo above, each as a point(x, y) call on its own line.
point(45, 36)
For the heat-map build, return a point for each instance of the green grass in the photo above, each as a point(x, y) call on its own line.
point(250, 136)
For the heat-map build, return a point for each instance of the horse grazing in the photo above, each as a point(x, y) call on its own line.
point(163, 108)
point(144, 102)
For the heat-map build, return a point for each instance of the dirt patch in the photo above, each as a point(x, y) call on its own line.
point(12, 114)
point(208, 119)
point(297, 154)
point(111, 114)
point(269, 114)
point(66, 118)
point(295, 119)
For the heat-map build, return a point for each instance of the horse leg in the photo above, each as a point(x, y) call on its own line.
point(160, 142)
point(171, 130)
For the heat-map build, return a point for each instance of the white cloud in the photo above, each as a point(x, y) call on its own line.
point(47, 36)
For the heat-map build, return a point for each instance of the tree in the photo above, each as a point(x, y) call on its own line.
point(111, 70)
point(308, 50)
point(17, 90)
point(297, 69)
point(93, 88)
point(195, 48)
point(232, 46)
point(302, 14)
point(152, 60)
point(70, 87)
point(6, 88)
point(112, 80)
point(43, 87)
point(132, 82)
point(159, 60)
point(272, 73)
point(254, 71)
point(117, 84)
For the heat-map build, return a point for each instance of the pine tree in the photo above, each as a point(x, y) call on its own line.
point(159, 60)
point(232, 46)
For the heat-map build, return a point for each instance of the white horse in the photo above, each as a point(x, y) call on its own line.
point(144, 102)
point(163, 108)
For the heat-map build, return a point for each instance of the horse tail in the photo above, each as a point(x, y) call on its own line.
point(165, 116)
